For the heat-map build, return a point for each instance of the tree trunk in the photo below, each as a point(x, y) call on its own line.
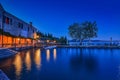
point(81, 42)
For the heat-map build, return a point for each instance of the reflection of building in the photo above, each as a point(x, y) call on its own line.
point(14, 27)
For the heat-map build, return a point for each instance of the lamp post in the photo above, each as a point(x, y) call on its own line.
point(2, 26)
point(18, 41)
point(27, 43)
point(15, 43)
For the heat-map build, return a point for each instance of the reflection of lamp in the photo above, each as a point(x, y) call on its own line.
point(55, 54)
point(18, 64)
point(37, 58)
point(28, 61)
point(48, 55)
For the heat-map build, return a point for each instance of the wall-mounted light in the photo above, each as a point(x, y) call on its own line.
point(48, 41)
point(18, 39)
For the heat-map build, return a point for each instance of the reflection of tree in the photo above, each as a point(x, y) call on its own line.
point(77, 61)
point(81, 61)
point(90, 62)
point(111, 52)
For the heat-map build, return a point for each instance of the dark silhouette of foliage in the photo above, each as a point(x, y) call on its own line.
point(81, 31)
point(44, 36)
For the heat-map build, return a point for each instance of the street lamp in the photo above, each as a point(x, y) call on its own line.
point(48, 41)
point(18, 41)
point(54, 41)
point(38, 37)
point(2, 26)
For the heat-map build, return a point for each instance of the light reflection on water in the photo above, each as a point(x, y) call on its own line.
point(63, 64)
point(55, 54)
point(28, 61)
point(37, 58)
point(48, 55)
point(18, 64)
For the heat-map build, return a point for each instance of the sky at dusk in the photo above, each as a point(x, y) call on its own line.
point(55, 16)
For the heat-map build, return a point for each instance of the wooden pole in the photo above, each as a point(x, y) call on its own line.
point(2, 27)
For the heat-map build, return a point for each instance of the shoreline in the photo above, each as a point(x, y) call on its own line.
point(97, 47)
point(9, 52)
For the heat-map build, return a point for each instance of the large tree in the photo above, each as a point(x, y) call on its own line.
point(76, 31)
point(85, 30)
point(90, 29)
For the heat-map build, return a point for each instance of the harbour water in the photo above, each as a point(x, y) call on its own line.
point(63, 64)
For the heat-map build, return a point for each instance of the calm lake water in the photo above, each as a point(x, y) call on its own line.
point(63, 64)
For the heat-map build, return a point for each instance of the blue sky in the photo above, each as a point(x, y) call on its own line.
point(55, 16)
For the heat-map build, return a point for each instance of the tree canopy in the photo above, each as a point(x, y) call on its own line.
point(90, 29)
point(81, 31)
point(48, 36)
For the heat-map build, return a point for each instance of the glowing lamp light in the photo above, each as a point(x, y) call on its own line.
point(48, 41)
point(27, 39)
point(37, 36)
point(18, 39)
point(54, 41)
